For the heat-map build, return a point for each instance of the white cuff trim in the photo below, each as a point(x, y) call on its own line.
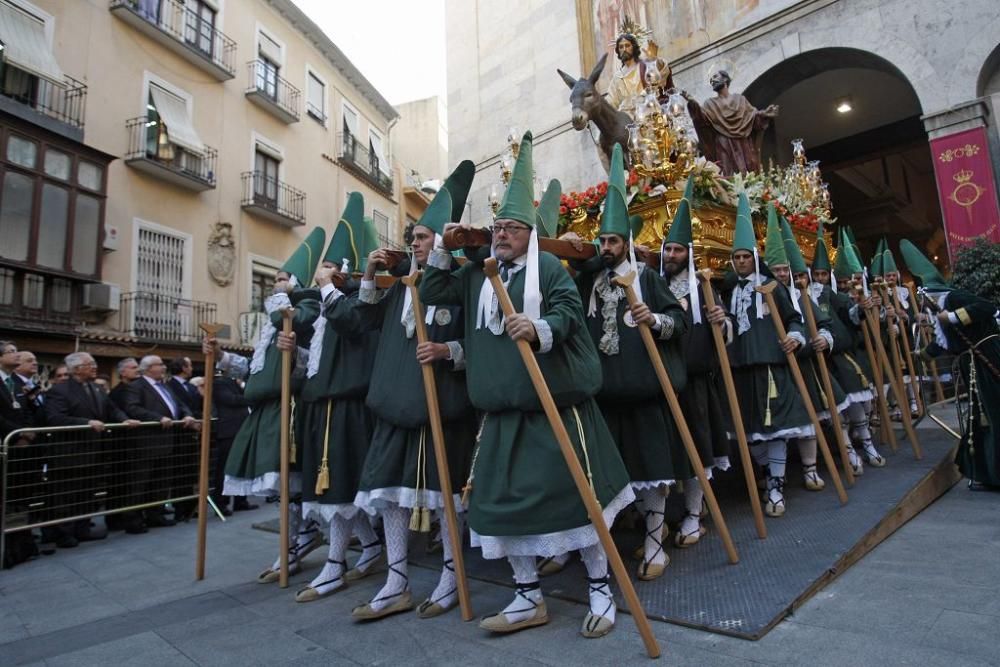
point(456, 354)
point(544, 332)
point(439, 259)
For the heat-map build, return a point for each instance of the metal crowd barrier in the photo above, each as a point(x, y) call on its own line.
point(61, 474)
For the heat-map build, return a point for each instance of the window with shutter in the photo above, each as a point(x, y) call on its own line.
point(159, 281)
point(316, 98)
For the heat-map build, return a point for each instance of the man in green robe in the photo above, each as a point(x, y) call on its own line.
point(631, 399)
point(399, 479)
point(967, 326)
point(254, 463)
point(772, 409)
point(334, 426)
point(905, 315)
point(523, 501)
point(701, 400)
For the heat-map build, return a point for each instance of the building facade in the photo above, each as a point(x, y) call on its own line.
point(918, 88)
point(161, 158)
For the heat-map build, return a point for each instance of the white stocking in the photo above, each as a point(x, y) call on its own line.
point(777, 454)
point(446, 592)
point(654, 503)
point(807, 451)
point(693, 496)
point(528, 595)
point(395, 520)
point(371, 546)
point(602, 603)
point(331, 577)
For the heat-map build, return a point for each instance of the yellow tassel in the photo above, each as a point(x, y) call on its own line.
point(425, 520)
point(323, 478)
point(416, 519)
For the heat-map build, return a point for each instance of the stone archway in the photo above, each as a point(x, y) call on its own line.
point(875, 155)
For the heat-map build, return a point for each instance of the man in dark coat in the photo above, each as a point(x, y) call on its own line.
point(128, 372)
point(181, 372)
point(230, 409)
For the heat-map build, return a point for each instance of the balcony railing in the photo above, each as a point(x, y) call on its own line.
point(63, 102)
point(159, 317)
point(273, 199)
point(183, 31)
point(251, 324)
point(271, 92)
point(358, 159)
point(38, 302)
point(150, 150)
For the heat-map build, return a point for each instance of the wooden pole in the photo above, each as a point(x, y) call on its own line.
point(928, 334)
point(576, 471)
point(894, 334)
point(682, 427)
point(896, 384)
point(286, 418)
point(904, 335)
point(705, 276)
point(886, 432)
point(206, 440)
point(440, 453)
point(831, 401)
point(793, 364)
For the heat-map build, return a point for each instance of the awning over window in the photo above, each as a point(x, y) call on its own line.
point(173, 113)
point(25, 45)
point(269, 48)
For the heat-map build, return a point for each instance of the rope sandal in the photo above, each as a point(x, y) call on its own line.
point(598, 625)
point(296, 553)
point(310, 593)
point(775, 507)
point(362, 568)
point(813, 482)
point(649, 570)
point(498, 622)
point(366, 612)
point(689, 539)
point(432, 606)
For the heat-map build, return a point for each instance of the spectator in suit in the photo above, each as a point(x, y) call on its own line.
point(16, 412)
point(59, 374)
point(230, 409)
point(150, 399)
point(79, 402)
point(181, 371)
point(128, 372)
point(103, 382)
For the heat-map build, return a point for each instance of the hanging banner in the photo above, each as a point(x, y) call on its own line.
point(966, 188)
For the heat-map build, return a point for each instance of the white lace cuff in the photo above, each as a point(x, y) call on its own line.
point(368, 293)
point(728, 331)
point(544, 332)
point(330, 293)
point(953, 318)
point(439, 259)
point(301, 362)
point(855, 314)
point(795, 335)
point(828, 337)
point(664, 326)
point(456, 354)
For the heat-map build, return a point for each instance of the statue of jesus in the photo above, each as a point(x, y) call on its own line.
point(729, 128)
point(630, 80)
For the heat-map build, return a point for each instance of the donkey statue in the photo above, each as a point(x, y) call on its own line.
point(589, 105)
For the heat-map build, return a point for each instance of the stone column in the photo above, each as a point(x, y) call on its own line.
point(964, 172)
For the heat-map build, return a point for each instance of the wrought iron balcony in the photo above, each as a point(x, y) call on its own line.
point(183, 31)
point(271, 92)
point(273, 200)
point(34, 301)
point(56, 106)
point(150, 151)
point(359, 160)
point(158, 317)
point(251, 324)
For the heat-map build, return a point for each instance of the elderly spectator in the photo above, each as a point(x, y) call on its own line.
point(151, 400)
point(128, 372)
point(16, 412)
point(79, 402)
point(181, 372)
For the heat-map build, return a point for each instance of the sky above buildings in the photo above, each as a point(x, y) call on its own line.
point(397, 44)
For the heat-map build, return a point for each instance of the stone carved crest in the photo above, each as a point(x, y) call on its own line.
point(222, 254)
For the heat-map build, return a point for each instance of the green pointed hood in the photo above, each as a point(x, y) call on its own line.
point(842, 267)
point(519, 200)
point(344, 244)
point(854, 264)
point(303, 262)
point(888, 260)
point(635, 223)
point(875, 269)
point(849, 234)
point(548, 210)
point(458, 184)
point(796, 262)
point(743, 236)
point(821, 258)
point(367, 242)
point(922, 268)
point(680, 228)
point(438, 212)
point(774, 244)
point(614, 220)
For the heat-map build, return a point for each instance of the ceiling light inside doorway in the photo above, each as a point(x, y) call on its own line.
point(844, 105)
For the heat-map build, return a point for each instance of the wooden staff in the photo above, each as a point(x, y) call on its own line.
point(206, 436)
point(705, 276)
point(286, 418)
point(437, 433)
point(793, 364)
point(896, 359)
point(896, 384)
point(928, 334)
point(576, 471)
point(886, 432)
point(682, 427)
point(904, 335)
point(824, 376)
point(456, 238)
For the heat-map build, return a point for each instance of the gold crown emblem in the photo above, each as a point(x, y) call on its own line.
point(964, 176)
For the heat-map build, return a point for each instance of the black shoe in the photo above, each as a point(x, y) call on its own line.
point(136, 529)
point(47, 548)
point(89, 535)
point(244, 506)
point(226, 511)
point(159, 521)
point(182, 517)
point(67, 542)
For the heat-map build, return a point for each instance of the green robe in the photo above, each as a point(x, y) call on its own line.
point(401, 466)
point(809, 366)
point(631, 399)
point(770, 404)
point(254, 461)
point(523, 496)
point(335, 422)
point(979, 449)
point(847, 364)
